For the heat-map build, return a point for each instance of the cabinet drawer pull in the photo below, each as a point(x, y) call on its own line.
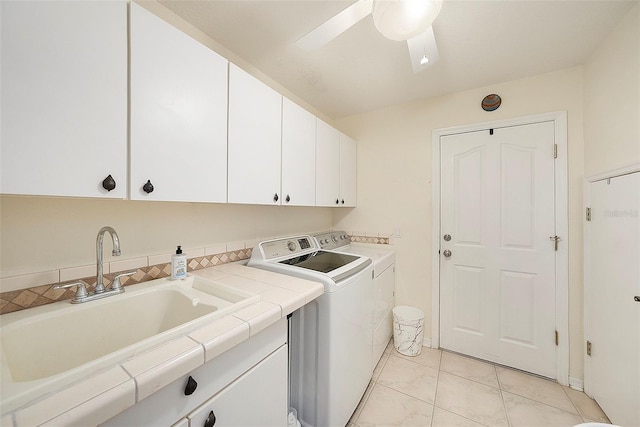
point(148, 187)
point(109, 183)
point(211, 420)
point(191, 386)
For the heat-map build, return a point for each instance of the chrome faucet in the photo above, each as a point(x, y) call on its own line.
point(100, 292)
point(116, 252)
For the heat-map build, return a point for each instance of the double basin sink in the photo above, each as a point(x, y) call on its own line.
point(61, 342)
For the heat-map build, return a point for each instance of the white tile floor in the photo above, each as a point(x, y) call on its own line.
point(439, 388)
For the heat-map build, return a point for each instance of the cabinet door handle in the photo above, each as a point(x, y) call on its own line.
point(109, 183)
point(288, 199)
point(148, 187)
point(337, 201)
point(342, 202)
point(275, 197)
point(211, 420)
point(191, 386)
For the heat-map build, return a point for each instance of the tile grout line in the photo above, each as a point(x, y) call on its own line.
point(504, 404)
point(574, 405)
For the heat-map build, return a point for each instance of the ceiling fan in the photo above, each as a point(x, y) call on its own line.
point(398, 20)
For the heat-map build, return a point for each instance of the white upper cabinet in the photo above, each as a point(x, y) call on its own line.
point(336, 156)
point(255, 133)
point(298, 155)
point(178, 114)
point(327, 165)
point(64, 98)
point(348, 171)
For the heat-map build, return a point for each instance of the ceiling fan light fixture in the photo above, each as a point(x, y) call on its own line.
point(404, 19)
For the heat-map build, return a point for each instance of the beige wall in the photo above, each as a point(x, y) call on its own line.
point(612, 99)
point(40, 234)
point(394, 177)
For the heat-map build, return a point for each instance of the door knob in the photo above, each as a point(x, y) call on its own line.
point(446, 253)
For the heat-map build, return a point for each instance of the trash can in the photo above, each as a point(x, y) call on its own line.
point(408, 330)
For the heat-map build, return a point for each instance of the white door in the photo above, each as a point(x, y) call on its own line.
point(348, 171)
point(64, 98)
point(178, 114)
point(497, 269)
point(613, 282)
point(298, 155)
point(255, 137)
point(327, 165)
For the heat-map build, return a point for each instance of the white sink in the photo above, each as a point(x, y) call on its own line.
point(71, 340)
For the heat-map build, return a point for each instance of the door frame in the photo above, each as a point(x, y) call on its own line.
point(559, 118)
point(586, 197)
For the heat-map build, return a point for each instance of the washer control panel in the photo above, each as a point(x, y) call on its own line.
point(290, 246)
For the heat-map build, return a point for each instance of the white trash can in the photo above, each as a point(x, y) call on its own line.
point(408, 330)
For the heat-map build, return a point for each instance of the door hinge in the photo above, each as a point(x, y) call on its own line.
point(557, 339)
point(555, 151)
point(588, 348)
point(588, 214)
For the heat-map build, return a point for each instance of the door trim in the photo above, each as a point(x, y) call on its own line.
point(586, 197)
point(559, 118)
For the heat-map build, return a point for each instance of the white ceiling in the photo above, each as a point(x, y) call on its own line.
point(481, 42)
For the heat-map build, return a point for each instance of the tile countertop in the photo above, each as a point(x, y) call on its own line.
point(110, 391)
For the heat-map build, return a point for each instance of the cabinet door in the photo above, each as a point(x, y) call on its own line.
point(258, 398)
point(298, 155)
point(348, 171)
point(178, 114)
point(327, 165)
point(255, 132)
point(64, 98)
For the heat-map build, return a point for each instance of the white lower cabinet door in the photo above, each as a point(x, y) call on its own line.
point(257, 398)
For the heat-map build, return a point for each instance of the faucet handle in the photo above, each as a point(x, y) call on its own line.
point(81, 291)
point(116, 285)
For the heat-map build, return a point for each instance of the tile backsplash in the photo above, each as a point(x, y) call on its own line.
point(32, 290)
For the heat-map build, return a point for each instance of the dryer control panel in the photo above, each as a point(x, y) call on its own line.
point(333, 239)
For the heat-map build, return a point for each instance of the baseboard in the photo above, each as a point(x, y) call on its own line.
point(426, 342)
point(576, 384)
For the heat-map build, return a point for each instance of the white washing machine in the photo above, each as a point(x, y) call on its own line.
point(383, 258)
point(331, 337)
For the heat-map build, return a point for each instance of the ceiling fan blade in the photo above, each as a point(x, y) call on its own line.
point(336, 25)
point(421, 46)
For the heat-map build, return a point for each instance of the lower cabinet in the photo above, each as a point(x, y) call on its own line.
point(244, 386)
point(254, 399)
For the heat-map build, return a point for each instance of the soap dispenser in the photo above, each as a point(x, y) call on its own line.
point(178, 265)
